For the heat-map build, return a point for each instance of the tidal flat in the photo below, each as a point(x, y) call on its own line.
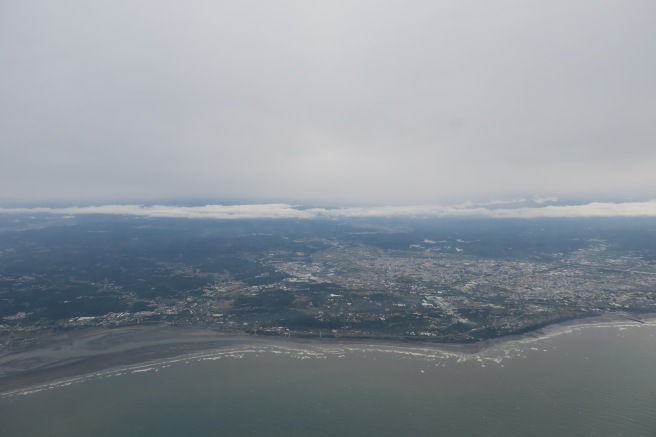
point(81, 352)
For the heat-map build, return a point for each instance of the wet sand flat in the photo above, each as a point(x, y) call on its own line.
point(86, 351)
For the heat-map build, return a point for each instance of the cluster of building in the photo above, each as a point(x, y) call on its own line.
point(353, 290)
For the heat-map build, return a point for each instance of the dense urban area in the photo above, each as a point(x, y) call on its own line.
point(441, 280)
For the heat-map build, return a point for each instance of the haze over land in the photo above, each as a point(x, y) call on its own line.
point(325, 103)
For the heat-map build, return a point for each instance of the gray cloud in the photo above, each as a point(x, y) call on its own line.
point(223, 212)
point(343, 103)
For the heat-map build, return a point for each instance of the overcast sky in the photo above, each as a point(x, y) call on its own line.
point(337, 103)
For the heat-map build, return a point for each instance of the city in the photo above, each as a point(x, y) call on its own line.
point(438, 281)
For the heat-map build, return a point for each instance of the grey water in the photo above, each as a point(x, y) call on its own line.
point(597, 380)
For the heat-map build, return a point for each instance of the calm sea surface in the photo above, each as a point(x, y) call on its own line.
point(595, 380)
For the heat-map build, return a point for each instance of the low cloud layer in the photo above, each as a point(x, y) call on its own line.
point(595, 209)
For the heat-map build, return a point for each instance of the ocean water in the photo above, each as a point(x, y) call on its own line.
point(594, 380)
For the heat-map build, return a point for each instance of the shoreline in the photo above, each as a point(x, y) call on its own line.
point(92, 350)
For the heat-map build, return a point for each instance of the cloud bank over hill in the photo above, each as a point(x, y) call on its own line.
point(594, 209)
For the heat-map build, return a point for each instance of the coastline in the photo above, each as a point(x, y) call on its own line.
point(84, 352)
